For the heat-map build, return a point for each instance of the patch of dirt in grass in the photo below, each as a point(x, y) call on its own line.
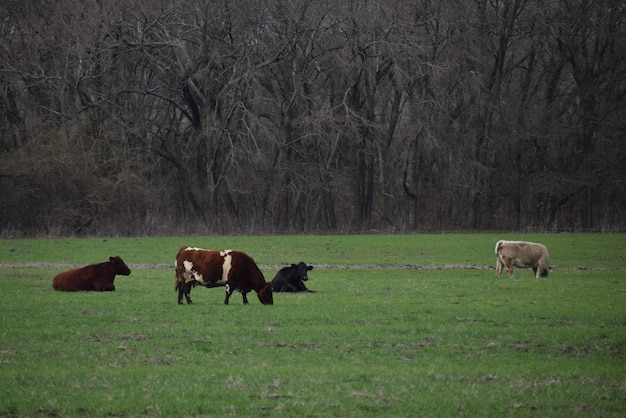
point(312, 346)
point(485, 321)
point(7, 356)
point(571, 351)
point(47, 412)
point(121, 337)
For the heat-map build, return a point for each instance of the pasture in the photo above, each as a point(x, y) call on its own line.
point(400, 325)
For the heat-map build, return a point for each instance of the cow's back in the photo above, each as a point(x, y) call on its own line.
point(523, 253)
point(203, 266)
point(286, 277)
point(280, 280)
point(74, 280)
point(98, 277)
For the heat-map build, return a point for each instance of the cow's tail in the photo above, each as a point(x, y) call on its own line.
point(178, 282)
point(498, 245)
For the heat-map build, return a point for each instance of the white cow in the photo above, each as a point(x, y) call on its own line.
point(522, 254)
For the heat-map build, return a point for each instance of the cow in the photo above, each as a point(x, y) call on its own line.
point(96, 277)
point(292, 278)
point(213, 268)
point(521, 254)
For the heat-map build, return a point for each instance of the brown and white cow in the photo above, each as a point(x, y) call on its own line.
point(213, 268)
point(97, 277)
point(522, 254)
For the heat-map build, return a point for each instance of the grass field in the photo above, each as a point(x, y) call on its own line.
point(417, 326)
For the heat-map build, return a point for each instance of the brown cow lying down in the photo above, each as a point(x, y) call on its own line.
point(521, 254)
point(98, 277)
point(213, 268)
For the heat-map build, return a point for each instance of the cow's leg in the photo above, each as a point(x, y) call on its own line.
point(183, 290)
point(103, 287)
point(229, 292)
point(509, 266)
point(245, 297)
point(509, 269)
point(499, 266)
point(188, 287)
point(108, 287)
point(179, 285)
point(288, 288)
point(180, 294)
point(536, 272)
point(301, 287)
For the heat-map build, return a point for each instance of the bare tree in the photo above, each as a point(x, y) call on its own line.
point(221, 116)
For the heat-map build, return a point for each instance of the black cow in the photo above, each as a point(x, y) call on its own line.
point(291, 279)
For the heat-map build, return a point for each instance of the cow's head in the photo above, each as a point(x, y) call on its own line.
point(265, 294)
point(544, 272)
point(119, 267)
point(302, 269)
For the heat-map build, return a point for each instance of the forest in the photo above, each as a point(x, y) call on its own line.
point(167, 117)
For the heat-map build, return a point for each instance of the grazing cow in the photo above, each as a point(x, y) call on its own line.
point(213, 268)
point(97, 277)
point(292, 278)
point(521, 254)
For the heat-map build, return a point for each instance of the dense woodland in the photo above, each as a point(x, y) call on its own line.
point(145, 117)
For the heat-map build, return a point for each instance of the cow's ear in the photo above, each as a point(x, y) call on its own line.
point(112, 259)
point(309, 268)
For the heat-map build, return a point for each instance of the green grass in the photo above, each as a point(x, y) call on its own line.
point(566, 250)
point(369, 342)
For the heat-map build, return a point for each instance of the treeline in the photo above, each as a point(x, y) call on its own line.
point(252, 116)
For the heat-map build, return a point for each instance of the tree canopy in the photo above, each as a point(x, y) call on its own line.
point(252, 116)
